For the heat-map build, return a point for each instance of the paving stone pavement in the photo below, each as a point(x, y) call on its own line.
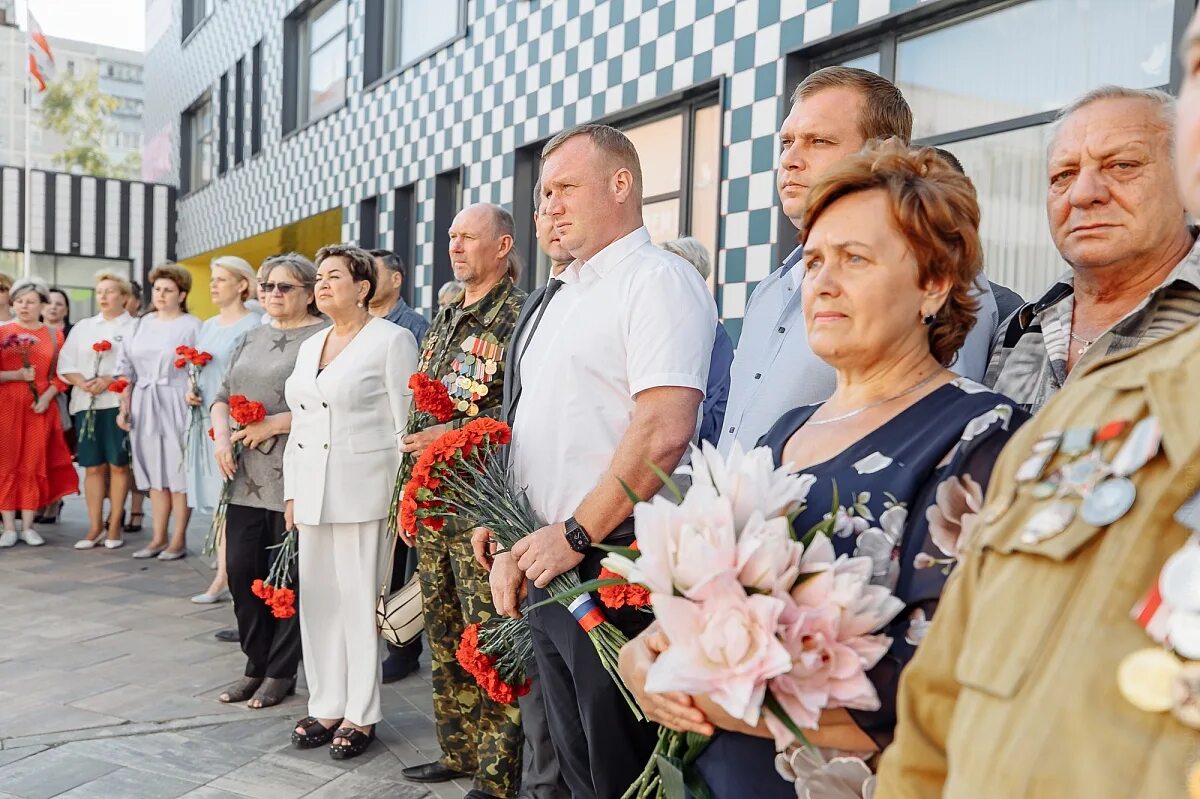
point(108, 685)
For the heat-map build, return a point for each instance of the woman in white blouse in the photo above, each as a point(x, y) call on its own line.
point(349, 400)
point(103, 449)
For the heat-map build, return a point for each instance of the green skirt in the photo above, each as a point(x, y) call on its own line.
point(106, 445)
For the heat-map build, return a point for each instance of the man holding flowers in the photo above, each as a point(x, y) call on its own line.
point(613, 372)
point(464, 350)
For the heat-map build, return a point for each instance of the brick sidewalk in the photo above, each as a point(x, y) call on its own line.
point(108, 684)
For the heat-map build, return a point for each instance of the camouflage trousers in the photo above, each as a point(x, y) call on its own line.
point(477, 736)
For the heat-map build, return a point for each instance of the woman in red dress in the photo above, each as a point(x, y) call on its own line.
point(35, 466)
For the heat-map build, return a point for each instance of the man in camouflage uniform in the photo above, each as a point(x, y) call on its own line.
point(465, 349)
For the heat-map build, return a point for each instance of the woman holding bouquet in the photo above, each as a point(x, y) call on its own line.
point(901, 453)
point(35, 465)
point(349, 400)
point(231, 284)
point(258, 368)
point(154, 409)
point(88, 362)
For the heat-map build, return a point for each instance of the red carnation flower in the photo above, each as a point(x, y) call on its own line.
point(103, 345)
point(119, 385)
point(180, 363)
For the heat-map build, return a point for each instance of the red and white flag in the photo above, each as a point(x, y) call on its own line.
point(41, 60)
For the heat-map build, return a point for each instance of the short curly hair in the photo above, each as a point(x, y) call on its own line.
point(175, 273)
point(934, 208)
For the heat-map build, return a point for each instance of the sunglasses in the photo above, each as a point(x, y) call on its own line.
point(283, 288)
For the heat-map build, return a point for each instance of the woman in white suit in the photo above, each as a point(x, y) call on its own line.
point(349, 400)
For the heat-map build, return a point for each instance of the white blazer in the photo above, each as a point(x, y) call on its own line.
point(339, 466)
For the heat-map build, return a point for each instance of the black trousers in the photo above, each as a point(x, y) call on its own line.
point(272, 645)
point(601, 746)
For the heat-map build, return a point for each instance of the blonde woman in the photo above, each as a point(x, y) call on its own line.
point(104, 453)
point(154, 408)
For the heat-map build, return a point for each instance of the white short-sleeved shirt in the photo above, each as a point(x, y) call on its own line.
point(631, 318)
point(78, 357)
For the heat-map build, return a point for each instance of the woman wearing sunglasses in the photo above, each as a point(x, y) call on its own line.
point(258, 368)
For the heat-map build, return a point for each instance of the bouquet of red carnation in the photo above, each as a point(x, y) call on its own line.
point(431, 404)
point(460, 475)
point(22, 344)
point(275, 590)
point(242, 412)
point(87, 427)
point(495, 654)
point(193, 360)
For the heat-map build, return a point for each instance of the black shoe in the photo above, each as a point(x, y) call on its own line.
point(359, 741)
point(432, 772)
point(475, 793)
point(315, 733)
point(398, 667)
point(228, 636)
point(135, 523)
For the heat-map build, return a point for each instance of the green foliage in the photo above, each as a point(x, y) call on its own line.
point(75, 108)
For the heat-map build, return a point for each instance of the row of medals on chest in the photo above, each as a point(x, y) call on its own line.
point(1154, 679)
point(479, 361)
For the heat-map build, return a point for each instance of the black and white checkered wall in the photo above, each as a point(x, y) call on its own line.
point(525, 70)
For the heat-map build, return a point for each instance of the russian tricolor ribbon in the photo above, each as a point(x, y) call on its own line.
point(586, 612)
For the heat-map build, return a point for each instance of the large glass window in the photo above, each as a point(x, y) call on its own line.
point(323, 60)
point(987, 86)
point(414, 29)
point(198, 124)
point(195, 12)
point(1029, 58)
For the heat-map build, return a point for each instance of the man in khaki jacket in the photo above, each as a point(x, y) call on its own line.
point(1014, 693)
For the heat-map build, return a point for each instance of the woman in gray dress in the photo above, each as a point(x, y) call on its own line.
point(153, 408)
point(254, 522)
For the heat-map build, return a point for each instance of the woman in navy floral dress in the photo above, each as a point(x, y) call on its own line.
point(902, 451)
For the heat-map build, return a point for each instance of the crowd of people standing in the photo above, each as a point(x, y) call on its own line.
point(1016, 473)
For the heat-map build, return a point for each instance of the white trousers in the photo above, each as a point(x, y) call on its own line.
point(339, 583)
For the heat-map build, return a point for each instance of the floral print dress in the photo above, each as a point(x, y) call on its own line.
point(902, 496)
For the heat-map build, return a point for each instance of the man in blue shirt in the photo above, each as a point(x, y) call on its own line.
point(388, 301)
point(835, 111)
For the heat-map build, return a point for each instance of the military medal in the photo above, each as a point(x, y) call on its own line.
point(1081, 476)
point(1146, 679)
point(1108, 502)
point(1142, 445)
point(1043, 450)
point(1048, 522)
point(1077, 440)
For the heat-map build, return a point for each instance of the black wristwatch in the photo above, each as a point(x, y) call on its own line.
point(577, 537)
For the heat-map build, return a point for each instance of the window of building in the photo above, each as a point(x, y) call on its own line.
point(400, 33)
point(194, 13)
point(197, 138)
point(404, 237)
point(239, 111)
point(223, 126)
point(315, 58)
point(368, 223)
point(1014, 66)
point(447, 202)
point(256, 99)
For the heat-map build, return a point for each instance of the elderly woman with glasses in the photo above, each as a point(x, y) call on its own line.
point(35, 465)
point(230, 285)
point(254, 522)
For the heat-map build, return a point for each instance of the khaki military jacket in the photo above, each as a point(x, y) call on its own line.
point(1013, 693)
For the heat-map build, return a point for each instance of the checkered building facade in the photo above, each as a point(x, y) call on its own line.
point(525, 70)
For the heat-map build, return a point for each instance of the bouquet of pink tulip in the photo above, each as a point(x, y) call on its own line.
point(766, 626)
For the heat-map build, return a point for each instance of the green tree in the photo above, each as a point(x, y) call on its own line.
point(75, 108)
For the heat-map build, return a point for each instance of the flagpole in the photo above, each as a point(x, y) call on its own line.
point(28, 271)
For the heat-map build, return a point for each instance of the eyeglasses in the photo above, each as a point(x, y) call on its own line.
point(283, 288)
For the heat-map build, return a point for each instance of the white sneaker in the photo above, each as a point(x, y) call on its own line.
point(8, 538)
point(32, 538)
point(86, 543)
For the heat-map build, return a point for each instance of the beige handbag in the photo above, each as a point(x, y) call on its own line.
point(399, 615)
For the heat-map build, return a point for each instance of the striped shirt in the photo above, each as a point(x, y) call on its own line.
point(1029, 357)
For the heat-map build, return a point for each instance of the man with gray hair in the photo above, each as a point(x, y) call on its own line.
point(1118, 221)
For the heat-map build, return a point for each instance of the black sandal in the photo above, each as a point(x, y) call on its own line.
point(273, 691)
point(241, 691)
point(309, 739)
point(359, 741)
point(135, 523)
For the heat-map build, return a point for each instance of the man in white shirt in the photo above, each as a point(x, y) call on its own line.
point(612, 377)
